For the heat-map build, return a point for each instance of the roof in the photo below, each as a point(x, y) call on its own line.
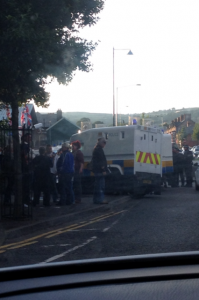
point(31, 112)
point(62, 130)
point(61, 120)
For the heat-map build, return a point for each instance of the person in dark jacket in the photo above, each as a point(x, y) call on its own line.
point(26, 158)
point(79, 165)
point(99, 167)
point(41, 167)
point(188, 158)
point(65, 169)
point(7, 168)
point(53, 188)
point(178, 162)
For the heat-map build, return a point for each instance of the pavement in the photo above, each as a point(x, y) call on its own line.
point(45, 217)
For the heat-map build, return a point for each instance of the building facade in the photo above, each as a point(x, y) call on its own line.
point(183, 122)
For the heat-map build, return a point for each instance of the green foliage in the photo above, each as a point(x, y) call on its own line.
point(82, 120)
point(98, 122)
point(195, 135)
point(4, 124)
point(39, 43)
point(166, 125)
point(39, 39)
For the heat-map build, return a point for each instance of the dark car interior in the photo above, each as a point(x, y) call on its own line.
point(163, 276)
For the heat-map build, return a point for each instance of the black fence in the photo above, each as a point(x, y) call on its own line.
point(15, 173)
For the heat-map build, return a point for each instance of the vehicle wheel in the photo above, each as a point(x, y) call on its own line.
point(196, 186)
point(137, 194)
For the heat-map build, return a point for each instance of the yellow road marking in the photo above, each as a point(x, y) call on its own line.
point(79, 226)
point(69, 229)
point(100, 216)
point(62, 230)
point(54, 233)
point(34, 238)
point(19, 246)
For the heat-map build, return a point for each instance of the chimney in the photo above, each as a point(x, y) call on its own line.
point(178, 119)
point(59, 114)
point(181, 118)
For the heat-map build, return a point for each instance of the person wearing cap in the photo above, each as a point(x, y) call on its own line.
point(99, 163)
point(79, 165)
point(65, 169)
point(188, 158)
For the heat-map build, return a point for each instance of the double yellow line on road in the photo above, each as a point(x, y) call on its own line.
point(55, 232)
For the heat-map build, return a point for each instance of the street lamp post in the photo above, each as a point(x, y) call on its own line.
point(129, 53)
point(138, 84)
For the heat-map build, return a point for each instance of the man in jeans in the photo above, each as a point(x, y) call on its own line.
point(41, 166)
point(99, 166)
point(65, 169)
point(53, 188)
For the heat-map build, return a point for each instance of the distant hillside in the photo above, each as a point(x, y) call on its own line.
point(156, 116)
point(168, 115)
point(171, 114)
point(105, 118)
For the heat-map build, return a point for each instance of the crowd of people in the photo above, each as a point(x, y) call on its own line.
point(58, 175)
point(182, 167)
point(65, 165)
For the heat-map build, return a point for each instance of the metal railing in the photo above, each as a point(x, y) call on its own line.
point(15, 182)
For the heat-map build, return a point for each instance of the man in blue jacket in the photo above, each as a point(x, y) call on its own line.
point(65, 169)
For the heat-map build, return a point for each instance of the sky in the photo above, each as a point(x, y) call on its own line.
point(164, 38)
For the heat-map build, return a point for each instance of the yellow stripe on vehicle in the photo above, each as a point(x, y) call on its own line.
point(143, 157)
point(137, 155)
point(159, 159)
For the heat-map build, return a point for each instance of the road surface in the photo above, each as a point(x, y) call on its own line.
point(153, 224)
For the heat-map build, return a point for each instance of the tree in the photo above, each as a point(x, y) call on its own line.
point(97, 122)
point(195, 135)
point(82, 120)
point(165, 124)
point(39, 42)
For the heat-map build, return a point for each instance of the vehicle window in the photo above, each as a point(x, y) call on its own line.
point(99, 129)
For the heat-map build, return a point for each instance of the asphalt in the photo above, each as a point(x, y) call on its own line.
point(45, 217)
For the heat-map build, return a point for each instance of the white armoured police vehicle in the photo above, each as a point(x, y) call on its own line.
point(137, 156)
